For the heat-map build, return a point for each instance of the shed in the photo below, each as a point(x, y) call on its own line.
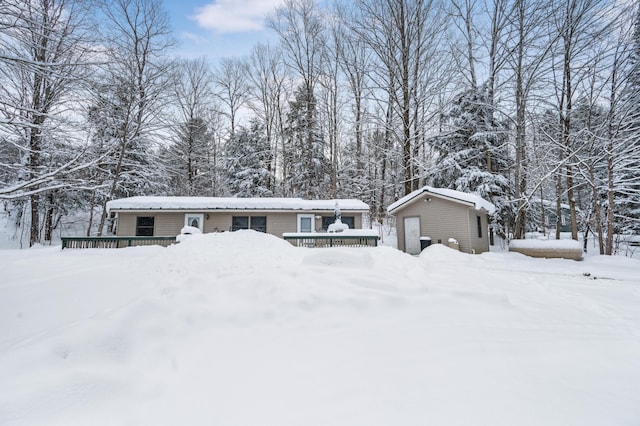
point(166, 216)
point(442, 215)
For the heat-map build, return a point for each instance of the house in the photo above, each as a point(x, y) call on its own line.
point(166, 216)
point(542, 215)
point(443, 215)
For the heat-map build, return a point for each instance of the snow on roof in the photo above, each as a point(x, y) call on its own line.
point(220, 203)
point(477, 201)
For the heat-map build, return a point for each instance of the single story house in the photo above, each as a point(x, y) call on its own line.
point(442, 215)
point(548, 210)
point(166, 216)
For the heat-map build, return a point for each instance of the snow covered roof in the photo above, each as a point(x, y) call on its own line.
point(221, 203)
point(477, 201)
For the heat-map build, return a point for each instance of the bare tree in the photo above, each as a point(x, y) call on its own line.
point(622, 152)
point(302, 34)
point(137, 39)
point(579, 23)
point(463, 13)
point(354, 61)
point(403, 36)
point(43, 67)
point(268, 85)
point(528, 54)
point(186, 157)
point(331, 99)
point(230, 79)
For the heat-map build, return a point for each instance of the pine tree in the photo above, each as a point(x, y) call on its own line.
point(247, 160)
point(186, 159)
point(472, 153)
point(309, 167)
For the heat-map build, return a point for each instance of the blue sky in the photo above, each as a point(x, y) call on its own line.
point(219, 28)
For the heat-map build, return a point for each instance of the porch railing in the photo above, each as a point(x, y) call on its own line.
point(332, 240)
point(115, 242)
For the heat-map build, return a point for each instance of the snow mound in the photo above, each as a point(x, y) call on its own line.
point(197, 332)
point(246, 243)
point(340, 258)
point(190, 230)
point(440, 253)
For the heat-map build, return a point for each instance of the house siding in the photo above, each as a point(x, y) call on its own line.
point(170, 223)
point(478, 244)
point(441, 219)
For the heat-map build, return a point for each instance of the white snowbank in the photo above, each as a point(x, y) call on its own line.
point(546, 244)
point(242, 328)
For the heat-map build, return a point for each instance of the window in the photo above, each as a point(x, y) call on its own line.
point(194, 219)
point(239, 222)
point(347, 220)
point(479, 221)
point(306, 223)
point(257, 223)
point(144, 226)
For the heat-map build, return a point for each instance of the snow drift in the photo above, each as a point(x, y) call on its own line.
point(244, 329)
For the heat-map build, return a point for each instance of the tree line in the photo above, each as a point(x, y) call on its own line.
point(531, 104)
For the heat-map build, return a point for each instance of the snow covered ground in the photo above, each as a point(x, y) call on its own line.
point(244, 329)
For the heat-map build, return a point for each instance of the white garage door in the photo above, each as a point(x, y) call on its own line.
point(412, 235)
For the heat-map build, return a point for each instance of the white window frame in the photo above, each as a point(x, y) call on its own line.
point(306, 215)
point(199, 216)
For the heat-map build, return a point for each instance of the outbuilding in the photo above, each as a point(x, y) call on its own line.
point(444, 216)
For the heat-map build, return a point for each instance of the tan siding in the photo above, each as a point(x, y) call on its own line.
point(277, 223)
point(440, 220)
point(165, 224)
point(170, 223)
point(479, 244)
point(217, 222)
point(126, 224)
point(357, 220)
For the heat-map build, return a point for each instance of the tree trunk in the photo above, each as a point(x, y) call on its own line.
point(48, 219)
point(558, 204)
point(610, 199)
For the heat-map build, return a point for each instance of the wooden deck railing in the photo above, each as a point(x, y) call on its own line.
point(332, 240)
point(115, 242)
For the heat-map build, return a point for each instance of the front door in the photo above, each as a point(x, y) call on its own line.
point(305, 223)
point(412, 235)
point(195, 220)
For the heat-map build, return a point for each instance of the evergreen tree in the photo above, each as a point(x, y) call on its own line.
point(247, 163)
point(186, 159)
point(473, 154)
point(309, 167)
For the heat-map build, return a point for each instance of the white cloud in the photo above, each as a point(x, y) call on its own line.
point(195, 38)
point(234, 16)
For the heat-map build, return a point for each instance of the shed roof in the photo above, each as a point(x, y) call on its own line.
point(228, 203)
point(451, 194)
